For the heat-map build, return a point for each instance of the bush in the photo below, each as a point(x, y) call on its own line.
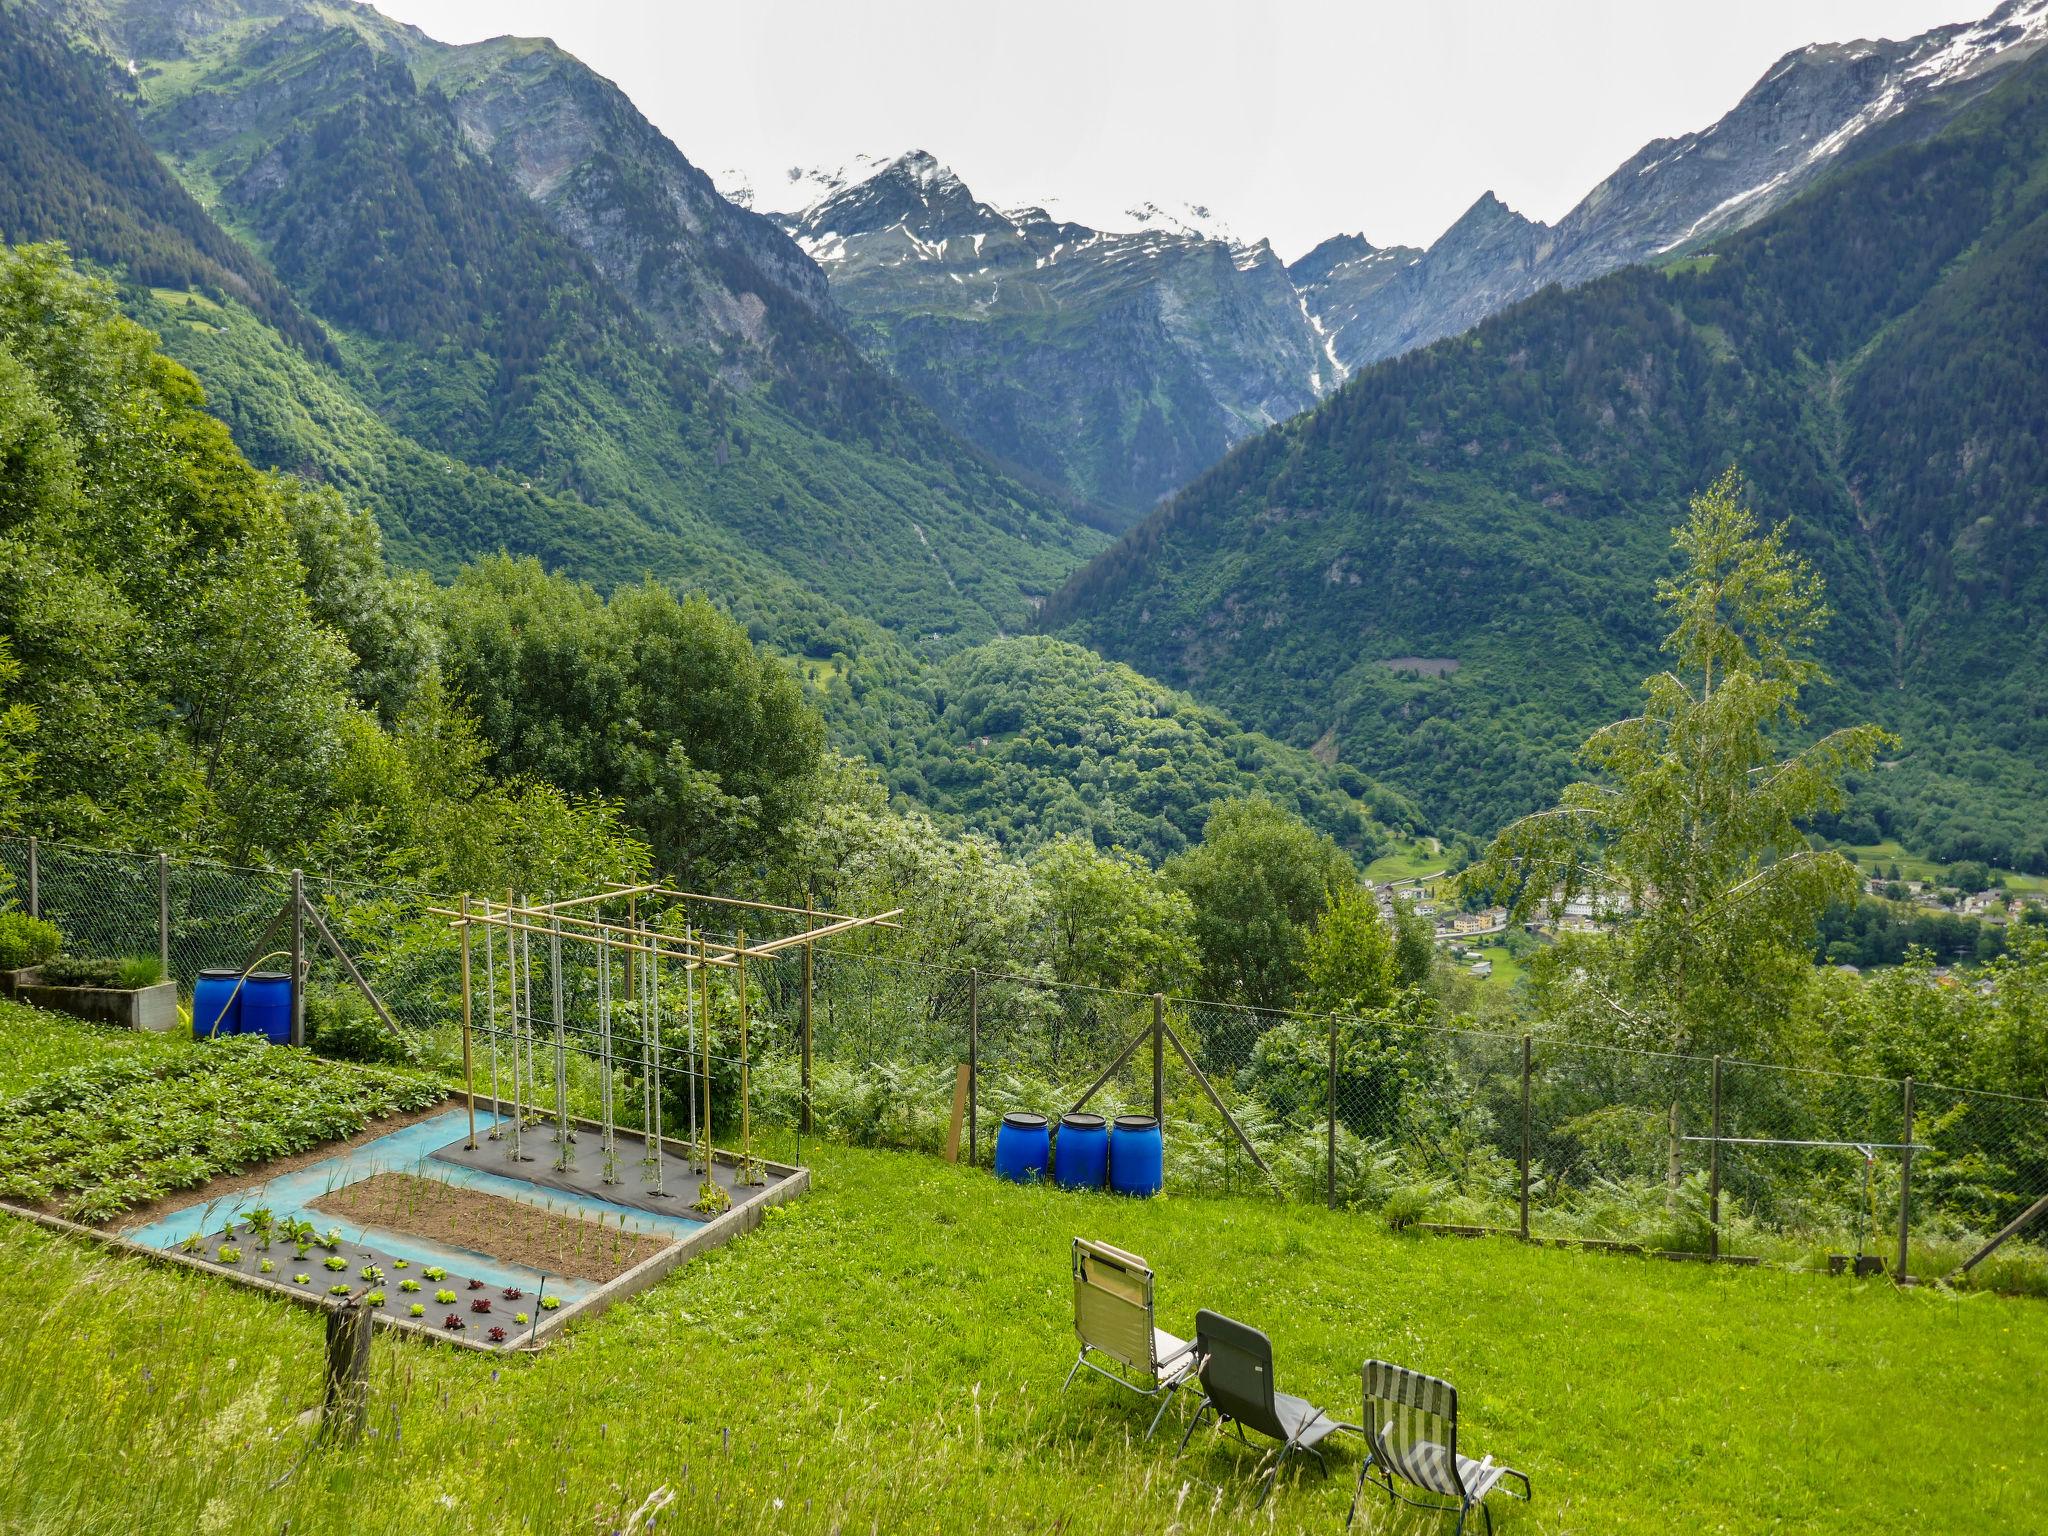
point(91, 971)
point(26, 941)
point(342, 1026)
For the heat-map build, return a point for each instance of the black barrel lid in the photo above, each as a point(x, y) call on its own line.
point(1082, 1122)
point(1025, 1121)
point(1136, 1123)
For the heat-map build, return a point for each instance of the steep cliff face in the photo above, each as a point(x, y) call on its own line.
point(1117, 364)
point(1813, 110)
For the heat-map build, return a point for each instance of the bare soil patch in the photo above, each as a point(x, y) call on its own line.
point(508, 1230)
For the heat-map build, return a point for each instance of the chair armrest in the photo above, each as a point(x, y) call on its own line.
point(1169, 1358)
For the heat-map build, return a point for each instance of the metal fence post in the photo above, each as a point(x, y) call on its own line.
point(1714, 1167)
point(298, 1036)
point(1905, 1274)
point(1332, 1154)
point(803, 1114)
point(163, 913)
point(974, 1068)
point(1159, 1057)
point(35, 893)
point(1525, 1138)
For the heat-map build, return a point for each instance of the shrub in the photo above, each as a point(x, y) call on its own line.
point(342, 1026)
point(26, 941)
point(81, 971)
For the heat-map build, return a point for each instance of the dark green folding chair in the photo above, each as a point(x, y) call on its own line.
point(1411, 1427)
point(1235, 1365)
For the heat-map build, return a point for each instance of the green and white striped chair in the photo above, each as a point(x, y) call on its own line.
point(1411, 1428)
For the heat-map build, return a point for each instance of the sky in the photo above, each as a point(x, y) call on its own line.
point(1289, 120)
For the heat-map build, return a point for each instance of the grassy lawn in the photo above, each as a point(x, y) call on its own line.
point(1507, 970)
point(1407, 861)
point(33, 1042)
point(887, 1355)
point(1876, 859)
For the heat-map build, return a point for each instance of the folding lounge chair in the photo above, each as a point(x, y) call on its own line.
point(1236, 1368)
point(1113, 1318)
point(1411, 1426)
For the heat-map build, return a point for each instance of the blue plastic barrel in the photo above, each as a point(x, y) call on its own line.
point(1080, 1157)
point(216, 1006)
point(1137, 1156)
point(1022, 1147)
point(267, 1006)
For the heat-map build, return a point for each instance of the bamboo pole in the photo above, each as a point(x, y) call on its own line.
point(749, 1171)
point(468, 1062)
point(491, 1024)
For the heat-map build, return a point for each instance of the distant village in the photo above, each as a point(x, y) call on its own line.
point(1462, 933)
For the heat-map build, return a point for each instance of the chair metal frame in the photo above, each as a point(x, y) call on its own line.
point(1437, 1399)
point(1214, 1332)
point(1166, 1372)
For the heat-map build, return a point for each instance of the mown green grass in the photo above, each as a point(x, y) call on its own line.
point(887, 1356)
point(1874, 859)
point(1407, 861)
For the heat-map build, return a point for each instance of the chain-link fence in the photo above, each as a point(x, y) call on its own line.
point(1388, 1114)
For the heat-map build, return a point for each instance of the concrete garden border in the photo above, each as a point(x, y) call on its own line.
point(153, 1008)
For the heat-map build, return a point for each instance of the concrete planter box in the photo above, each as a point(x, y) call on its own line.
point(152, 1008)
point(11, 982)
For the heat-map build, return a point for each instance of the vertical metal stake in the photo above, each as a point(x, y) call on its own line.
point(1714, 1168)
point(163, 914)
point(1159, 1058)
point(1526, 1072)
point(1904, 1276)
point(973, 1067)
point(35, 892)
point(1330, 1173)
point(298, 1035)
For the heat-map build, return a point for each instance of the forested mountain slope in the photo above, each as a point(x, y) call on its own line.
point(701, 412)
point(474, 379)
point(1439, 571)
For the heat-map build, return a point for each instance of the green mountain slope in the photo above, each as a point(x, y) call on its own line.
point(469, 318)
point(570, 431)
point(1445, 569)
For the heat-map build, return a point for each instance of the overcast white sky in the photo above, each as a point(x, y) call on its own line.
point(1292, 120)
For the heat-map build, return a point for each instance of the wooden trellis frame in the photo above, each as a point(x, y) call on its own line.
point(644, 948)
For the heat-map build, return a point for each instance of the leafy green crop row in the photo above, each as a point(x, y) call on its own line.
point(114, 1134)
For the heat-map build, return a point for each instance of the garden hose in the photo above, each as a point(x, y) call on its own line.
point(248, 971)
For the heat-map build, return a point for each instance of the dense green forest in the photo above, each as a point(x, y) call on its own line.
point(1439, 570)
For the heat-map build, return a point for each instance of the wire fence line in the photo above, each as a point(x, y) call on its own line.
point(1530, 1134)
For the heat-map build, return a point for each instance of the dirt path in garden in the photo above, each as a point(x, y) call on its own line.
point(509, 1230)
point(234, 1183)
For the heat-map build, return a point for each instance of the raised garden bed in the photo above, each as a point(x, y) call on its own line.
point(153, 1008)
point(514, 1231)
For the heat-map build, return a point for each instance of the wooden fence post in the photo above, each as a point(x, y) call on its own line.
point(1526, 1070)
point(298, 1035)
point(1159, 1058)
point(1904, 1275)
point(1331, 1154)
point(1714, 1166)
point(345, 1399)
point(163, 914)
point(974, 1068)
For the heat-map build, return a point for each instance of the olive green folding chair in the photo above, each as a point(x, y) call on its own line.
point(1113, 1319)
point(1411, 1425)
point(1235, 1364)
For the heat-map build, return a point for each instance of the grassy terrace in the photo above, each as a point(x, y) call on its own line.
point(887, 1355)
